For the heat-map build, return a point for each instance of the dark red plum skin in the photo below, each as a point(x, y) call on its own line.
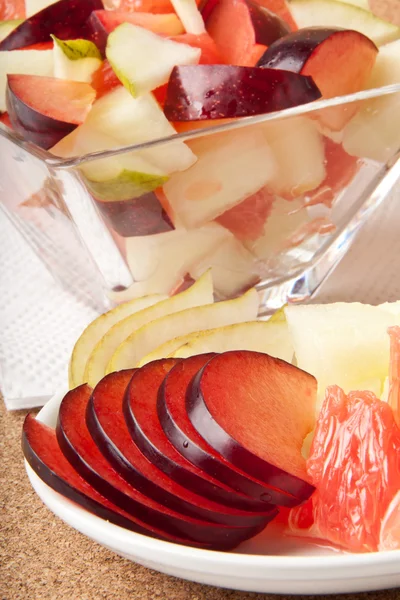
point(34, 126)
point(99, 33)
point(178, 472)
point(234, 452)
point(141, 481)
point(261, 494)
point(292, 51)
point(173, 526)
point(66, 19)
point(202, 92)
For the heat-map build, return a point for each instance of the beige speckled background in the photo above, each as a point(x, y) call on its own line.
point(41, 558)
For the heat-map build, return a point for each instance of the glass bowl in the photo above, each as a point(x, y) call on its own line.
point(273, 200)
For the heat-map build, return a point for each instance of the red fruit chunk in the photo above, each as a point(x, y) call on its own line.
point(137, 216)
point(5, 119)
point(279, 7)
point(140, 410)
point(66, 19)
point(45, 109)
point(12, 9)
point(176, 424)
point(106, 423)
point(210, 54)
point(237, 25)
point(256, 410)
point(339, 61)
point(340, 169)
point(247, 220)
point(149, 6)
point(79, 448)
point(354, 464)
point(394, 372)
point(41, 450)
point(104, 79)
point(222, 91)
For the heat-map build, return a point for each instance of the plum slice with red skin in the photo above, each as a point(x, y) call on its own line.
point(197, 92)
point(79, 448)
point(106, 423)
point(237, 26)
point(42, 452)
point(140, 411)
point(256, 410)
point(339, 61)
point(174, 419)
point(45, 109)
point(66, 19)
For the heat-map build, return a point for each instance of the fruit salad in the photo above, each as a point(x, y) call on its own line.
point(188, 421)
point(260, 189)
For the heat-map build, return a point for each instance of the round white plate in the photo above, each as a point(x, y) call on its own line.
point(267, 563)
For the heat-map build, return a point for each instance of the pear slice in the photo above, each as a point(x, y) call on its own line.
point(147, 338)
point(95, 331)
point(143, 60)
point(127, 185)
point(189, 15)
point(343, 344)
point(198, 294)
point(75, 60)
point(268, 337)
point(7, 27)
point(332, 13)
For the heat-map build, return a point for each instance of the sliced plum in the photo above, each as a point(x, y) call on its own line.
point(140, 410)
point(45, 109)
point(197, 92)
point(238, 25)
point(339, 61)
point(41, 450)
point(79, 448)
point(256, 410)
point(107, 426)
point(185, 438)
point(66, 19)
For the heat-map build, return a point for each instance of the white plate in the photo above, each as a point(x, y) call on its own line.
point(267, 563)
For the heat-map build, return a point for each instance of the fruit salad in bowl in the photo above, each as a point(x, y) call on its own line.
point(162, 139)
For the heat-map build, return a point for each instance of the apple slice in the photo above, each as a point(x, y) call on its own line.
point(76, 60)
point(308, 51)
point(81, 451)
point(143, 60)
point(148, 337)
point(260, 417)
point(103, 22)
point(249, 24)
point(346, 345)
point(200, 293)
point(296, 171)
point(181, 433)
point(268, 337)
point(45, 109)
point(216, 182)
point(66, 19)
point(96, 329)
point(233, 268)
point(126, 121)
point(106, 424)
point(375, 131)
point(206, 91)
point(190, 16)
point(6, 27)
point(32, 62)
point(140, 411)
point(332, 13)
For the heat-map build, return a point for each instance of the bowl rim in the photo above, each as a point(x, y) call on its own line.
point(57, 162)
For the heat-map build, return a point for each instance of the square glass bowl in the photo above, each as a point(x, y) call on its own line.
point(273, 201)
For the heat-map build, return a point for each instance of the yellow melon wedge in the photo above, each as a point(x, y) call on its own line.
point(198, 294)
point(95, 331)
point(259, 336)
point(146, 339)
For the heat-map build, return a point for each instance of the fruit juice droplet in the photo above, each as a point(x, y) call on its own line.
point(185, 444)
point(266, 497)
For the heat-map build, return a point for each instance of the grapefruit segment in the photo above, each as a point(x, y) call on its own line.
point(246, 220)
